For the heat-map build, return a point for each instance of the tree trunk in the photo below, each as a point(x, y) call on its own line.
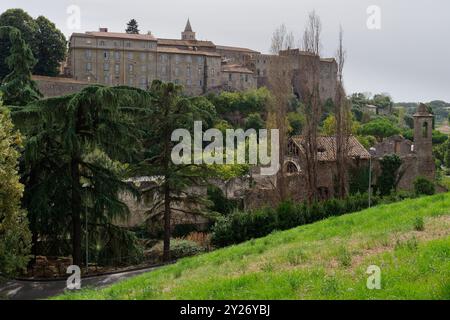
point(76, 213)
point(167, 227)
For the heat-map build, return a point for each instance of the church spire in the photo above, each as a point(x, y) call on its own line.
point(188, 27)
point(188, 34)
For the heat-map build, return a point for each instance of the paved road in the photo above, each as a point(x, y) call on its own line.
point(30, 290)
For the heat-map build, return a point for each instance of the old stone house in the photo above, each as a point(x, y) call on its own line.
point(417, 157)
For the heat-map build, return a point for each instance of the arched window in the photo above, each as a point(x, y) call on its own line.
point(291, 168)
point(425, 130)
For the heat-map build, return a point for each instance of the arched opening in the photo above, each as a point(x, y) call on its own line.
point(425, 130)
point(291, 168)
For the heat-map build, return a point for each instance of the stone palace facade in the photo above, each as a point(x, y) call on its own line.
point(111, 58)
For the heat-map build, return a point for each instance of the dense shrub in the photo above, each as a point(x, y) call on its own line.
point(179, 248)
point(423, 186)
point(242, 226)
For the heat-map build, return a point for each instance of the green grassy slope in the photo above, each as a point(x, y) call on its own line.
point(325, 260)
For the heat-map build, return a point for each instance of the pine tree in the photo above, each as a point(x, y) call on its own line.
point(169, 111)
point(17, 87)
point(132, 27)
point(72, 144)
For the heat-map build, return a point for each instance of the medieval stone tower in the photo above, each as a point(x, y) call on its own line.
point(423, 142)
point(188, 34)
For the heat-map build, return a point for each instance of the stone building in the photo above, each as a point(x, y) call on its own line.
point(299, 65)
point(417, 157)
point(111, 58)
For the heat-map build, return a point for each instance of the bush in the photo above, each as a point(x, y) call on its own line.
point(243, 226)
point(179, 248)
point(419, 225)
point(423, 186)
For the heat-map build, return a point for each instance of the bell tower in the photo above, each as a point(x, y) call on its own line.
point(188, 34)
point(423, 142)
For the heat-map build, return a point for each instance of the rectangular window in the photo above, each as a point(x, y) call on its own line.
point(88, 53)
point(106, 67)
point(143, 56)
point(188, 82)
point(117, 55)
point(106, 55)
point(144, 68)
point(188, 59)
point(88, 66)
point(177, 58)
point(130, 56)
point(177, 72)
point(200, 60)
point(128, 44)
point(130, 68)
point(230, 77)
point(117, 68)
point(188, 71)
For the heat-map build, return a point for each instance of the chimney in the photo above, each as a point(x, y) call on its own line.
point(103, 29)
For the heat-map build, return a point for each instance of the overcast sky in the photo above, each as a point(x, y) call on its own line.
point(408, 57)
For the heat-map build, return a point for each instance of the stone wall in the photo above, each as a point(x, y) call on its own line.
point(54, 86)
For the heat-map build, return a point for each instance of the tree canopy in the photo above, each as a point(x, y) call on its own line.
point(132, 27)
point(48, 44)
point(14, 233)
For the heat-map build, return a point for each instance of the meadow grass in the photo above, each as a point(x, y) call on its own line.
point(324, 260)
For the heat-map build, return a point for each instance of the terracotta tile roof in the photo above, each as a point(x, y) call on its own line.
point(228, 48)
point(327, 148)
point(187, 43)
point(192, 52)
point(118, 35)
point(236, 68)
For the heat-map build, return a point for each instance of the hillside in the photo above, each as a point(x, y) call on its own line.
point(325, 260)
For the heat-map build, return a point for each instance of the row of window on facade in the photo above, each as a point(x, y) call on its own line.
point(127, 44)
point(143, 57)
point(163, 70)
point(242, 77)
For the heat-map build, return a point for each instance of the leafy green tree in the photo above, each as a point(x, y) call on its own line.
point(296, 121)
point(52, 45)
point(132, 27)
point(21, 20)
point(387, 181)
point(48, 45)
point(17, 87)
point(379, 128)
point(14, 232)
point(383, 101)
point(254, 121)
point(67, 163)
